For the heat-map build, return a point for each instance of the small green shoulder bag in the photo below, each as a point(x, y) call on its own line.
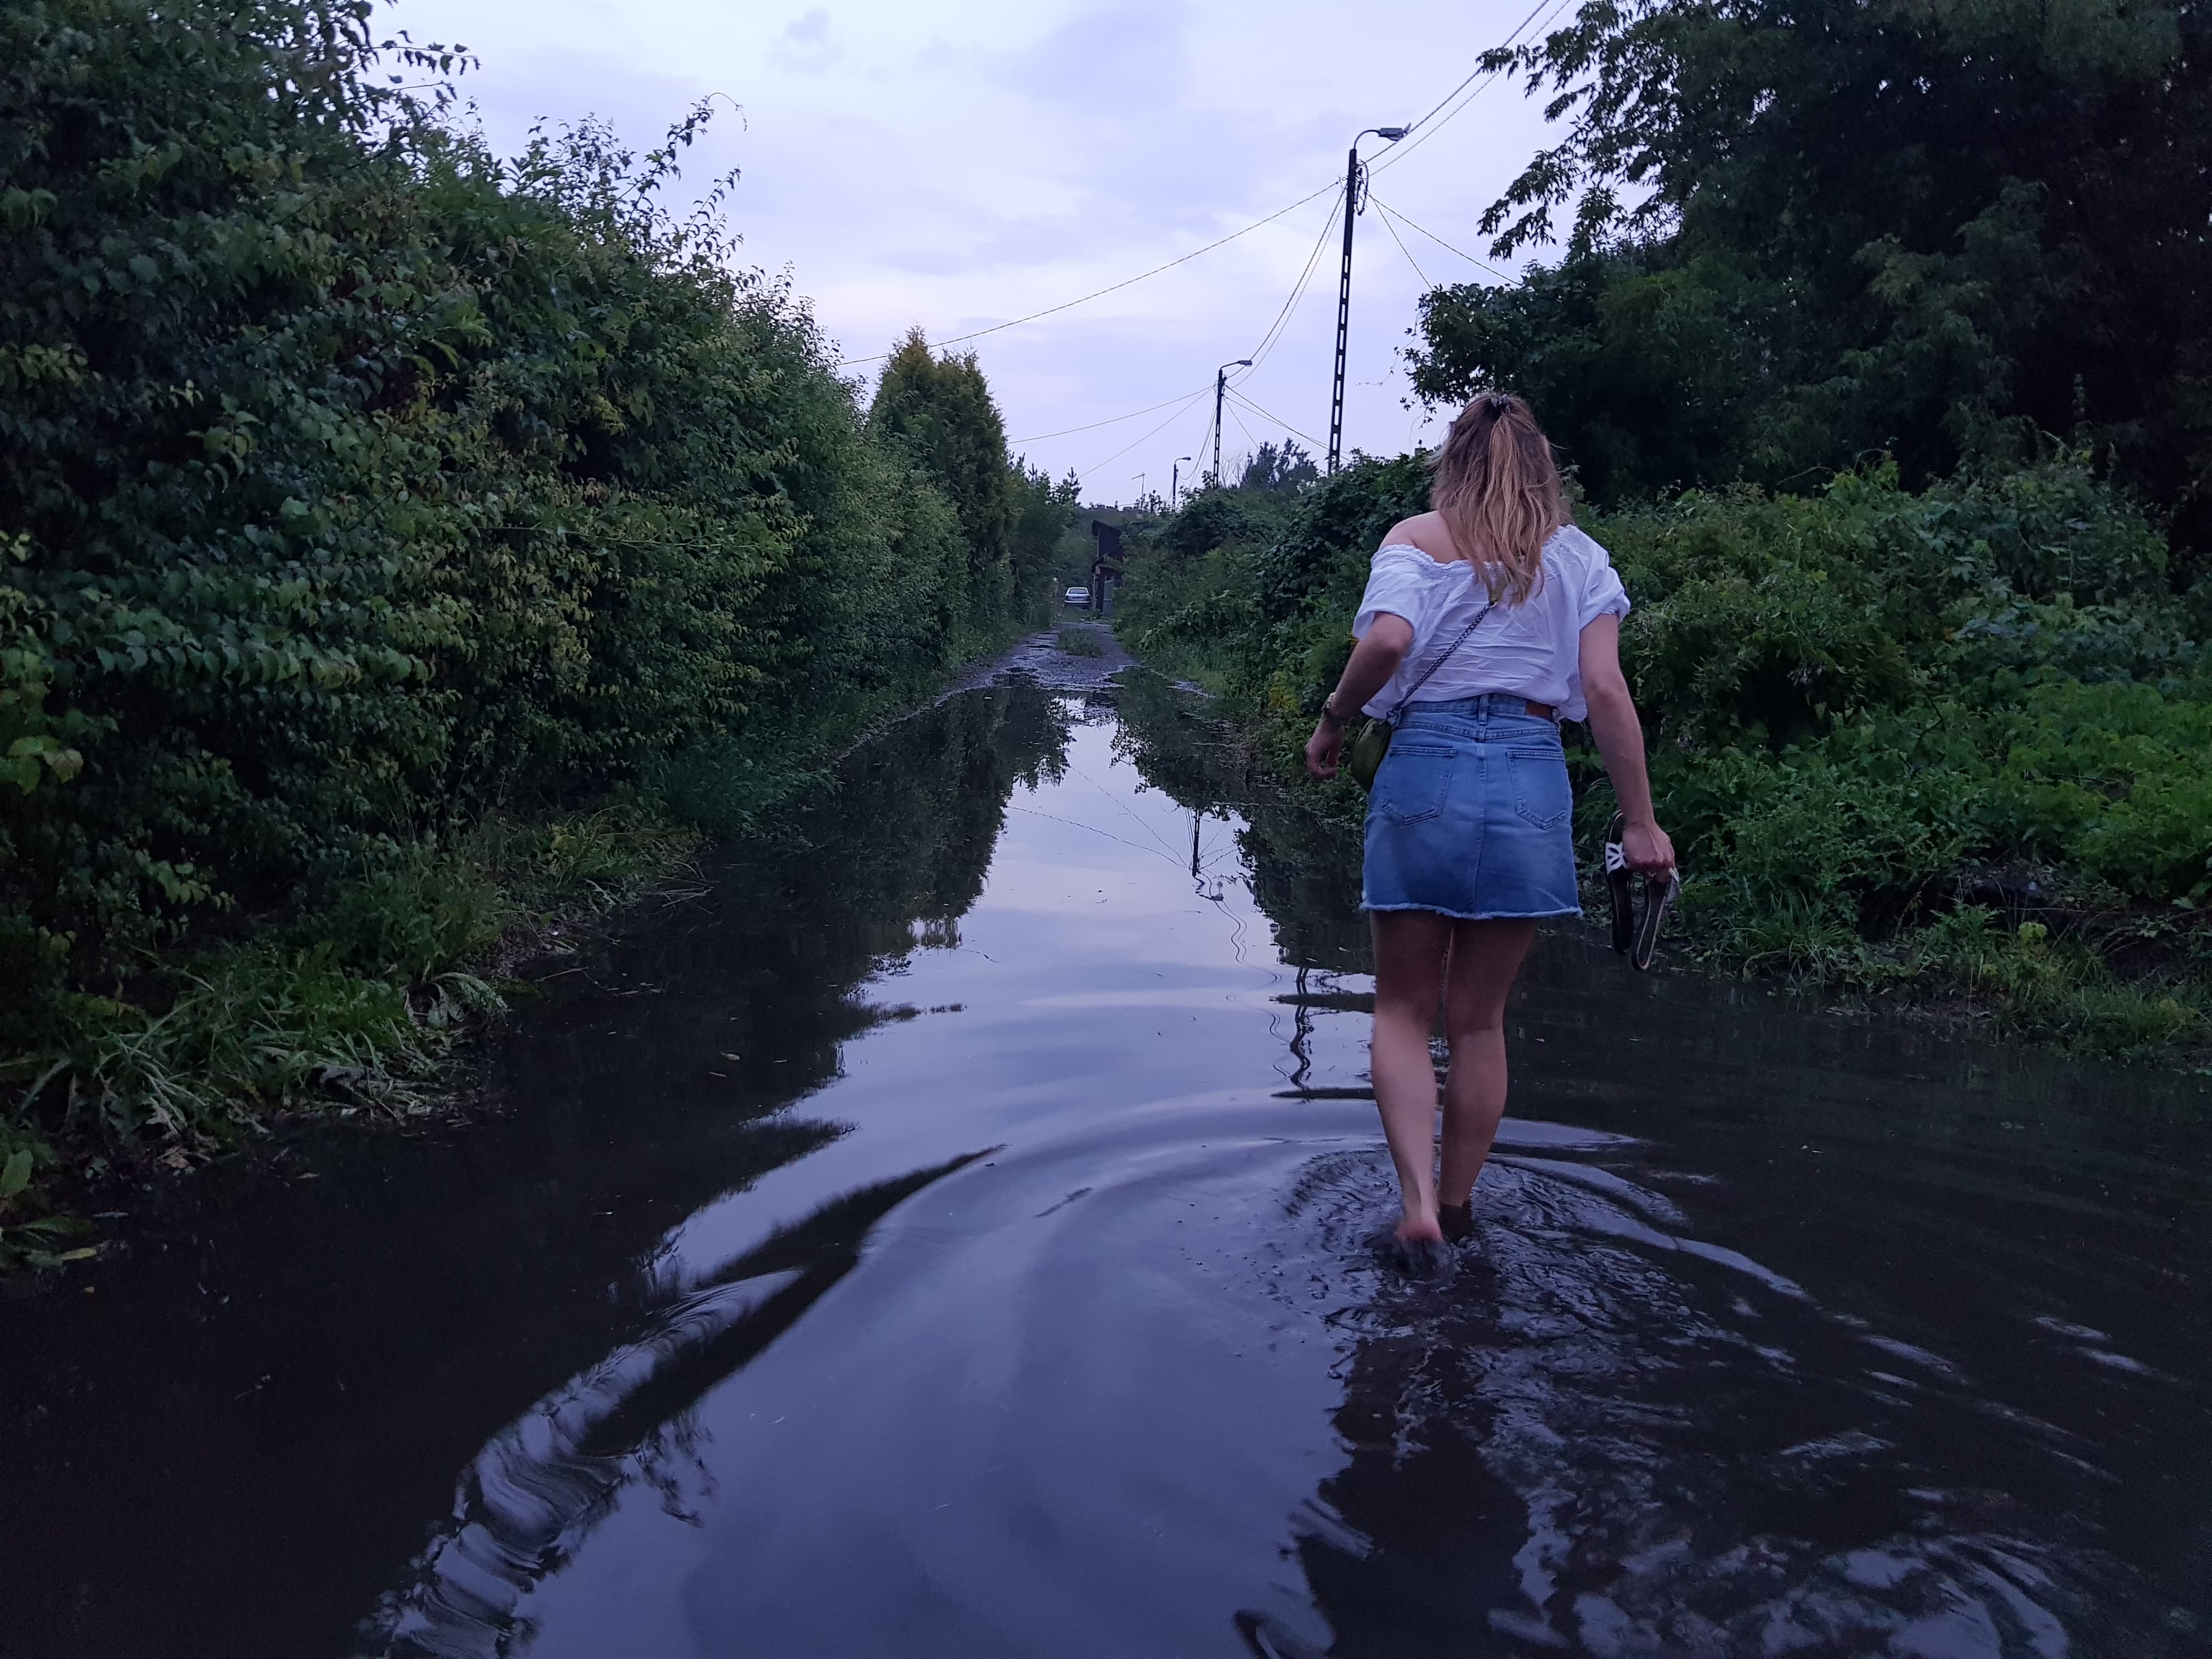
point(1363, 755)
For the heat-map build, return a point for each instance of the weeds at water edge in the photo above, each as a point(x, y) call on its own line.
point(357, 1006)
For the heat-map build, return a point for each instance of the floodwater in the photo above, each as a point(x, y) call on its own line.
point(937, 1235)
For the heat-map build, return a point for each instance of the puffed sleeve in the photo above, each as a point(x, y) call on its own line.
point(1396, 583)
point(1602, 593)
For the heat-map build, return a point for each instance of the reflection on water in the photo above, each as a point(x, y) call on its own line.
point(942, 1237)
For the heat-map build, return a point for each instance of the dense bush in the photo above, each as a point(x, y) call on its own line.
point(357, 488)
point(1959, 739)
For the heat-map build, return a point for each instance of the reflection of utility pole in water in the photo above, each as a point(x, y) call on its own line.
point(1193, 843)
point(1301, 1036)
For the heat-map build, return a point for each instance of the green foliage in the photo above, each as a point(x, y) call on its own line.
point(1043, 515)
point(940, 409)
point(1646, 375)
point(1799, 235)
point(1279, 470)
point(1865, 707)
point(359, 490)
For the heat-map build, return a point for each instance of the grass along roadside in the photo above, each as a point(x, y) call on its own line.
point(355, 1008)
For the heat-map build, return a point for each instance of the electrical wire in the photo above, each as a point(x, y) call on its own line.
point(1400, 151)
point(1390, 213)
point(1246, 431)
point(1267, 345)
point(1395, 153)
point(1272, 337)
point(1111, 420)
point(1415, 126)
point(1111, 287)
point(1269, 340)
point(1401, 242)
point(1133, 442)
point(1276, 418)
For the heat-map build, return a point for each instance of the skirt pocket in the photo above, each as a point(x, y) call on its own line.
point(1541, 794)
point(1414, 780)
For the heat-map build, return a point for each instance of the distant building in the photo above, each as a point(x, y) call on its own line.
point(1105, 564)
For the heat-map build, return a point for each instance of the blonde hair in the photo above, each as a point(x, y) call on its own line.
point(1496, 487)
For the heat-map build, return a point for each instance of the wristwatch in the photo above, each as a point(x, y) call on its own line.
point(1328, 710)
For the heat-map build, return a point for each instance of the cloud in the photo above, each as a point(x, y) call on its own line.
point(1103, 63)
point(805, 47)
point(958, 163)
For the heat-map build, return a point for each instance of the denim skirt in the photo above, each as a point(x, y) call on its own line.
point(1471, 815)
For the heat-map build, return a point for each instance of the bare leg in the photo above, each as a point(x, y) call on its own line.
point(1484, 958)
point(1410, 947)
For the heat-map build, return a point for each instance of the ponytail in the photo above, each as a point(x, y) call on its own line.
point(1496, 487)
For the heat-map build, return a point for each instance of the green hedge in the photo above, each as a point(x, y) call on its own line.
point(358, 488)
point(1958, 741)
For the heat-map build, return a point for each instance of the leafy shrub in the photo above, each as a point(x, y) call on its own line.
point(1860, 704)
point(360, 490)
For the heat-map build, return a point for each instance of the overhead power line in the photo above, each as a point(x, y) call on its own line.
point(1276, 418)
point(1272, 337)
point(1245, 429)
point(1133, 442)
point(1434, 125)
point(1111, 420)
point(1396, 154)
point(1267, 345)
point(1112, 288)
point(1416, 127)
point(1401, 242)
point(1390, 213)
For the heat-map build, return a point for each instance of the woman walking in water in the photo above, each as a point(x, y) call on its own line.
point(1485, 621)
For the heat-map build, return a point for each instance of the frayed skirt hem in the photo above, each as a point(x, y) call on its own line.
point(1476, 915)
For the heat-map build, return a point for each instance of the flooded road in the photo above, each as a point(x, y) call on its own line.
point(938, 1236)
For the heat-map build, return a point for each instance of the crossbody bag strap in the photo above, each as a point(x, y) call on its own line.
point(1440, 661)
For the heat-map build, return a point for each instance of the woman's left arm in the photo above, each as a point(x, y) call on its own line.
point(1374, 660)
point(1620, 737)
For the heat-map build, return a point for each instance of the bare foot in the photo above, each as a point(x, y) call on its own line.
point(1415, 1247)
point(1419, 1230)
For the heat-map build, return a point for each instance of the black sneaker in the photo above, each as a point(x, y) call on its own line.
point(1634, 928)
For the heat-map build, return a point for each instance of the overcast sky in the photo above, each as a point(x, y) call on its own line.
point(957, 163)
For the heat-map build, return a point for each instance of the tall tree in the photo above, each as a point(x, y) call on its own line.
point(941, 408)
point(1801, 230)
point(1280, 471)
point(1043, 512)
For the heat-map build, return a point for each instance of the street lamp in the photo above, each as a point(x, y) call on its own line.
point(1355, 202)
point(1175, 482)
point(1221, 386)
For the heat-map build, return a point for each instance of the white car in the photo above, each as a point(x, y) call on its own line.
point(1079, 596)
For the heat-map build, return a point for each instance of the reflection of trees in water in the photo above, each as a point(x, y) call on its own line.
point(763, 968)
point(1303, 866)
point(1608, 1436)
point(909, 831)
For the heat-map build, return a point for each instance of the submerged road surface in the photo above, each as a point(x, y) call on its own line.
point(938, 1236)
